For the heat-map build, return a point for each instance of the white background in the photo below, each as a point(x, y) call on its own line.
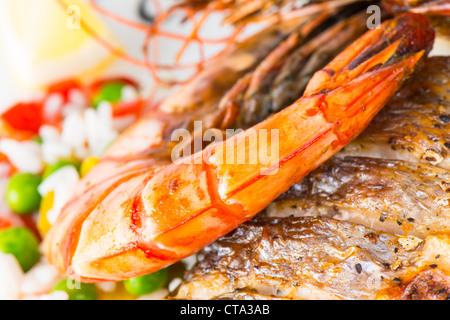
point(129, 38)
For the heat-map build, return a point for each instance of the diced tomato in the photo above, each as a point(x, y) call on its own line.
point(5, 223)
point(64, 88)
point(9, 222)
point(24, 116)
point(128, 108)
point(9, 219)
point(3, 157)
point(7, 131)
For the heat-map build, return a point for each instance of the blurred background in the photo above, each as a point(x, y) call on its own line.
point(45, 41)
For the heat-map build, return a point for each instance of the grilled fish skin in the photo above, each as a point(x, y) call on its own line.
point(318, 258)
point(415, 125)
point(393, 196)
point(395, 176)
point(371, 223)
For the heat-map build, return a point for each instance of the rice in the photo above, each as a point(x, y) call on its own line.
point(107, 286)
point(86, 132)
point(77, 97)
point(11, 277)
point(129, 93)
point(157, 295)
point(53, 148)
point(40, 279)
point(74, 136)
point(53, 105)
point(99, 128)
point(62, 183)
point(190, 261)
point(26, 156)
point(174, 284)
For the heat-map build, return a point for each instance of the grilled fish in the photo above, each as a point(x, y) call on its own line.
point(318, 258)
point(395, 176)
point(371, 223)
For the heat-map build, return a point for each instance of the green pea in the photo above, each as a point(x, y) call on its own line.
point(110, 92)
point(23, 244)
point(146, 284)
point(22, 194)
point(77, 290)
point(58, 165)
point(38, 139)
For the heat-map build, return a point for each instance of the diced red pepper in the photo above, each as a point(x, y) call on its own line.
point(6, 131)
point(5, 223)
point(128, 108)
point(24, 116)
point(3, 157)
point(64, 88)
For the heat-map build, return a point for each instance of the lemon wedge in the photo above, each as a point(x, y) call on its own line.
point(46, 41)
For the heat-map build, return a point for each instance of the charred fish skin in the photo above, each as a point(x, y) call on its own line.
point(394, 196)
point(415, 125)
point(394, 177)
point(314, 258)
